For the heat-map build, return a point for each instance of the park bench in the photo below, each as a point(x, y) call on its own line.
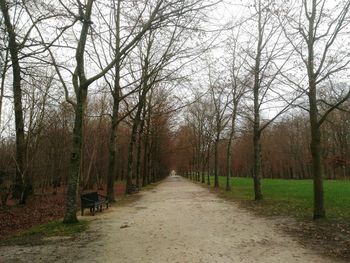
point(92, 200)
point(132, 189)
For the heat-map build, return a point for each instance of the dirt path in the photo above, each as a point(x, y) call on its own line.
point(176, 222)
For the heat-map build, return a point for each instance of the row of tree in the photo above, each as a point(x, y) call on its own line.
point(285, 150)
point(94, 79)
point(287, 61)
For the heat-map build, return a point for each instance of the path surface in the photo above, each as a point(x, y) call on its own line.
point(177, 221)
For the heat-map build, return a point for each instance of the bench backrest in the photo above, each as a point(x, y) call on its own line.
point(91, 196)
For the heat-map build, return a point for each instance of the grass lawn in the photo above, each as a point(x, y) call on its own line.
point(293, 197)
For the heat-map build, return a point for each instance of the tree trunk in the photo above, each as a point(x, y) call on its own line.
point(81, 90)
point(216, 162)
point(229, 164)
point(135, 126)
point(256, 128)
point(208, 165)
point(139, 148)
point(115, 113)
point(315, 145)
point(2, 85)
point(20, 188)
point(145, 176)
point(229, 149)
point(198, 158)
point(150, 158)
point(138, 158)
point(130, 160)
point(74, 169)
point(203, 167)
point(257, 167)
point(317, 169)
point(113, 146)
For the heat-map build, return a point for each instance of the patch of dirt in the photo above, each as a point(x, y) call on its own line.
point(327, 237)
point(330, 238)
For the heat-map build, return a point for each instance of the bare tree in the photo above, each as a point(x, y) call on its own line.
point(237, 83)
point(221, 99)
point(4, 59)
point(14, 46)
point(317, 30)
point(265, 47)
point(196, 120)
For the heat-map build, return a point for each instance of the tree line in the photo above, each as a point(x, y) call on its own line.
point(91, 85)
point(285, 150)
point(276, 102)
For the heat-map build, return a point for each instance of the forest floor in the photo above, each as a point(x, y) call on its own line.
point(40, 208)
point(177, 221)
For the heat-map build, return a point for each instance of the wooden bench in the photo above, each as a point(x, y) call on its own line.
point(132, 189)
point(92, 200)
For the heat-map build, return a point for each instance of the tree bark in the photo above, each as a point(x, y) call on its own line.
point(256, 124)
point(139, 148)
point(216, 161)
point(115, 114)
point(229, 148)
point(20, 188)
point(315, 145)
point(257, 167)
point(208, 164)
point(2, 85)
point(317, 169)
point(146, 155)
point(257, 144)
point(113, 144)
point(135, 127)
point(81, 90)
point(145, 175)
point(130, 159)
point(74, 168)
point(203, 167)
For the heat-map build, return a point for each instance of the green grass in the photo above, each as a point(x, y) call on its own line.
point(36, 234)
point(293, 197)
point(57, 228)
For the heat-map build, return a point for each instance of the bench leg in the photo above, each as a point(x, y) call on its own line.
point(82, 211)
point(93, 211)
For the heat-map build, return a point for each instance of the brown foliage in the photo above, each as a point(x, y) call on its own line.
point(285, 147)
point(40, 208)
